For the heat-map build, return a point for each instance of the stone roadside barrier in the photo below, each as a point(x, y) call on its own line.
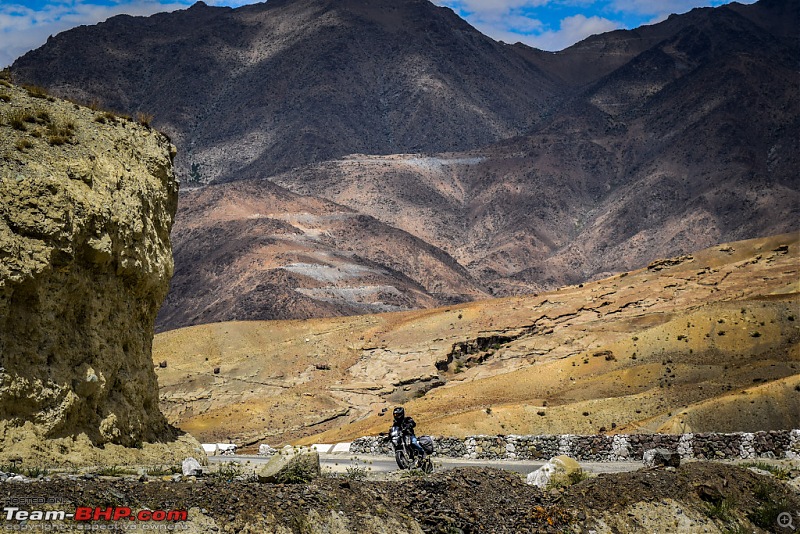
point(607, 448)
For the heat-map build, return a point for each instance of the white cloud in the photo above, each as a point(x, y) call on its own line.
point(512, 21)
point(23, 29)
point(572, 30)
point(492, 7)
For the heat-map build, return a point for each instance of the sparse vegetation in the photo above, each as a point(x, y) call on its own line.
point(5, 77)
point(766, 514)
point(106, 117)
point(42, 115)
point(18, 119)
point(30, 472)
point(23, 144)
point(194, 173)
point(60, 132)
point(163, 471)
point(777, 471)
point(115, 471)
point(227, 472)
point(296, 473)
point(35, 91)
point(722, 510)
point(144, 118)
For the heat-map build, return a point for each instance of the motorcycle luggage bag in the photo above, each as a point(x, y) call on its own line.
point(426, 442)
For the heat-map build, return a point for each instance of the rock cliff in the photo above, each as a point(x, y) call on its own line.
point(87, 201)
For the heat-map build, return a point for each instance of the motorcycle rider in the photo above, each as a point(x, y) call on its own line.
point(406, 425)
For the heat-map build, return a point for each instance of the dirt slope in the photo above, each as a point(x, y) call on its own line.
point(702, 342)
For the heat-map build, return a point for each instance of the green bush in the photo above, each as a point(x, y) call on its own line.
point(296, 473)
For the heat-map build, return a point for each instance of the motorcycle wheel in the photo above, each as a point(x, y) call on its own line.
point(402, 459)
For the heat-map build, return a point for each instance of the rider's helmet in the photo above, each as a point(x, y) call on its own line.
point(399, 413)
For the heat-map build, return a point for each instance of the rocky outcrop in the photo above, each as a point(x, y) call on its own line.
point(87, 201)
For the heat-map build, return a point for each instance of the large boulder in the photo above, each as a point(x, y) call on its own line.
point(191, 467)
point(557, 470)
point(87, 201)
point(291, 464)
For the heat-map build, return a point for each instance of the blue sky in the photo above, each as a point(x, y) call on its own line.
point(546, 24)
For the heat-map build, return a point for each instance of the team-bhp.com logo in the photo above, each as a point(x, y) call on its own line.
point(87, 513)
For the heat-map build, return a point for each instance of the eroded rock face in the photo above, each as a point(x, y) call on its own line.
point(87, 202)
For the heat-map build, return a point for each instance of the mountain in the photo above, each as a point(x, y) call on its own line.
point(457, 167)
point(271, 86)
point(691, 142)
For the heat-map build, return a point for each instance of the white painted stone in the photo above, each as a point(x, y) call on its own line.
point(191, 467)
point(686, 446)
point(558, 465)
point(266, 450)
point(620, 447)
point(793, 452)
point(565, 444)
point(226, 448)
point(746, 448)
point(341, 447)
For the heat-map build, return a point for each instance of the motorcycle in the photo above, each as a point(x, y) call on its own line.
point(406, 455)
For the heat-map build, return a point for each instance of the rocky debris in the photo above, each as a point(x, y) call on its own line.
point(291, 464)
point(661, 458)
point(86, 209)
point(557, 470)
point(477, 500)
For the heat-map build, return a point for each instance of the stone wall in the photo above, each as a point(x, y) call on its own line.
point(607, 448)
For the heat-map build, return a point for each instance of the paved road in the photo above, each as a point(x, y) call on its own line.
point(338, 463)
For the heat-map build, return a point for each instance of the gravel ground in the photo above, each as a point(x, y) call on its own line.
point(704, 497)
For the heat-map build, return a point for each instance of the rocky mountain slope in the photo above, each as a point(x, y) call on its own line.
point(706, 342)
point(270, 86)
point(690, 143)
point(250, 249)
point(627, 146)
point(87, 201)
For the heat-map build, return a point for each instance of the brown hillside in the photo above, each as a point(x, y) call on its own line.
point(250, 249)
point(704, 342)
